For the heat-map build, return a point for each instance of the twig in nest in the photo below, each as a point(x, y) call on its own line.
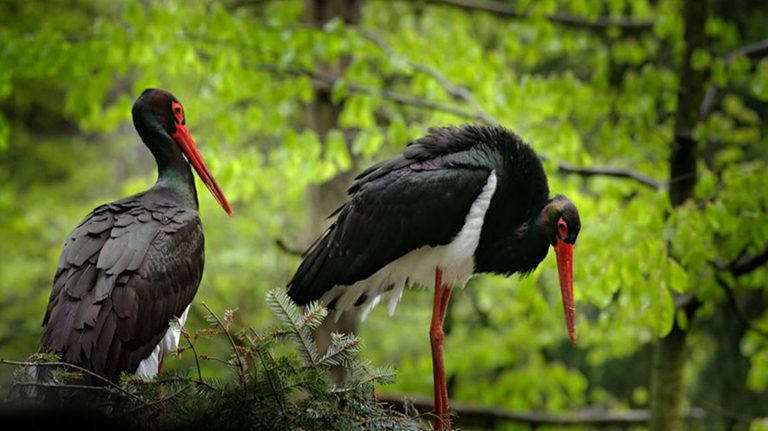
point(75, 367)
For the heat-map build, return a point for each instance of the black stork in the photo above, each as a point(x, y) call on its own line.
point(458, 202)
point(133, 265)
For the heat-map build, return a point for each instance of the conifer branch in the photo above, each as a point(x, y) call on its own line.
point(313, 316)
point(235, 349)
point(268, 374)
point(341, 351)
point(290, 393)
point(363, 373)
point(194, 353)
point(287, 311)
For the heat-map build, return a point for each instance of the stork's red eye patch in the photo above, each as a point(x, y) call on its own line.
point(562, 229)
point(178, 112)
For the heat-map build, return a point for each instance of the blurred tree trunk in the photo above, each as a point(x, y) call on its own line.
point(723, 382)
point(322, 116)
point(669, 356)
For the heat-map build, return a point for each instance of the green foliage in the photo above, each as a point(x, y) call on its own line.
point(246, 74)
point(269, 389)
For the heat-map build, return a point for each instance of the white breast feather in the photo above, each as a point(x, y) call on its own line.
point(456, 259)
point(148, 367)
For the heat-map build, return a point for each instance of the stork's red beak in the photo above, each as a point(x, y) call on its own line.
point(187, 144)
point(564, 252)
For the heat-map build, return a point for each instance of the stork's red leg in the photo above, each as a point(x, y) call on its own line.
point(436, 336)
point(446, 296)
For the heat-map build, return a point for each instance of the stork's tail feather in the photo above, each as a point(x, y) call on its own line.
point(306, 285)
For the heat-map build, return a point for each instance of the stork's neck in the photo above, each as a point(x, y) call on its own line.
point(520, 250)
point(179, 177)
point(173, 170)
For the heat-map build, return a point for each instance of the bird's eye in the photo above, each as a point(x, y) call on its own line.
point(178, 112)
point(562, 229)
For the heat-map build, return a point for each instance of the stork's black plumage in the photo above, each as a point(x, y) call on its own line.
point(422, 197)
point(133, 265)
point(457, 202)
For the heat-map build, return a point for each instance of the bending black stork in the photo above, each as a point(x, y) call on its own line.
point(455, 203)
point(133, 265)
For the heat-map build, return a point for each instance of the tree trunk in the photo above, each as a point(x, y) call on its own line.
point(322, 116)
point(722, 384)
point(667, 381)
point(667, 386)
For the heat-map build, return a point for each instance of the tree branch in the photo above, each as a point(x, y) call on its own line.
point(479, 115)
point(327, 82)
point(610, 172)
point(455, 91)
point(754, 51)
point(462, 93)
point(746, 263)
point(737, 310)
point(506, 10)
point(722, 412)
point(489, 417)
point(288, 249)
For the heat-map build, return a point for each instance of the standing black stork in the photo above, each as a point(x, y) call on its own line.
point(133, 265)
point(457, 202)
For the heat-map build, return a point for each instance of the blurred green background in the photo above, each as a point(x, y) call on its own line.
point(289, 99)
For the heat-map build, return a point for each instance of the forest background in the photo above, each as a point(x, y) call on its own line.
point(649, 114)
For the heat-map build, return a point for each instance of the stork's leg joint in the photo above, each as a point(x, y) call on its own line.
point(436, 335)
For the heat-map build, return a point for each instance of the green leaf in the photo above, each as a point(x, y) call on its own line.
point(676, 277)
point(664, 311)
point(336, 150)
point(700, 59)
point(759, 84)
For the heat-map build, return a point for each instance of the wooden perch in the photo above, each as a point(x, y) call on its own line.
point(489, 417)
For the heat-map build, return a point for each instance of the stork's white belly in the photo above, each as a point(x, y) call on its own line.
point(148, 367)
point(456, 259)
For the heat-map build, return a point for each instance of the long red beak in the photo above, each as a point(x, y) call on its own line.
point(187, 144)
point(564, 252)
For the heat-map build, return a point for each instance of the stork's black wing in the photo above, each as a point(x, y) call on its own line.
point(124, 273)
point(419, 198)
